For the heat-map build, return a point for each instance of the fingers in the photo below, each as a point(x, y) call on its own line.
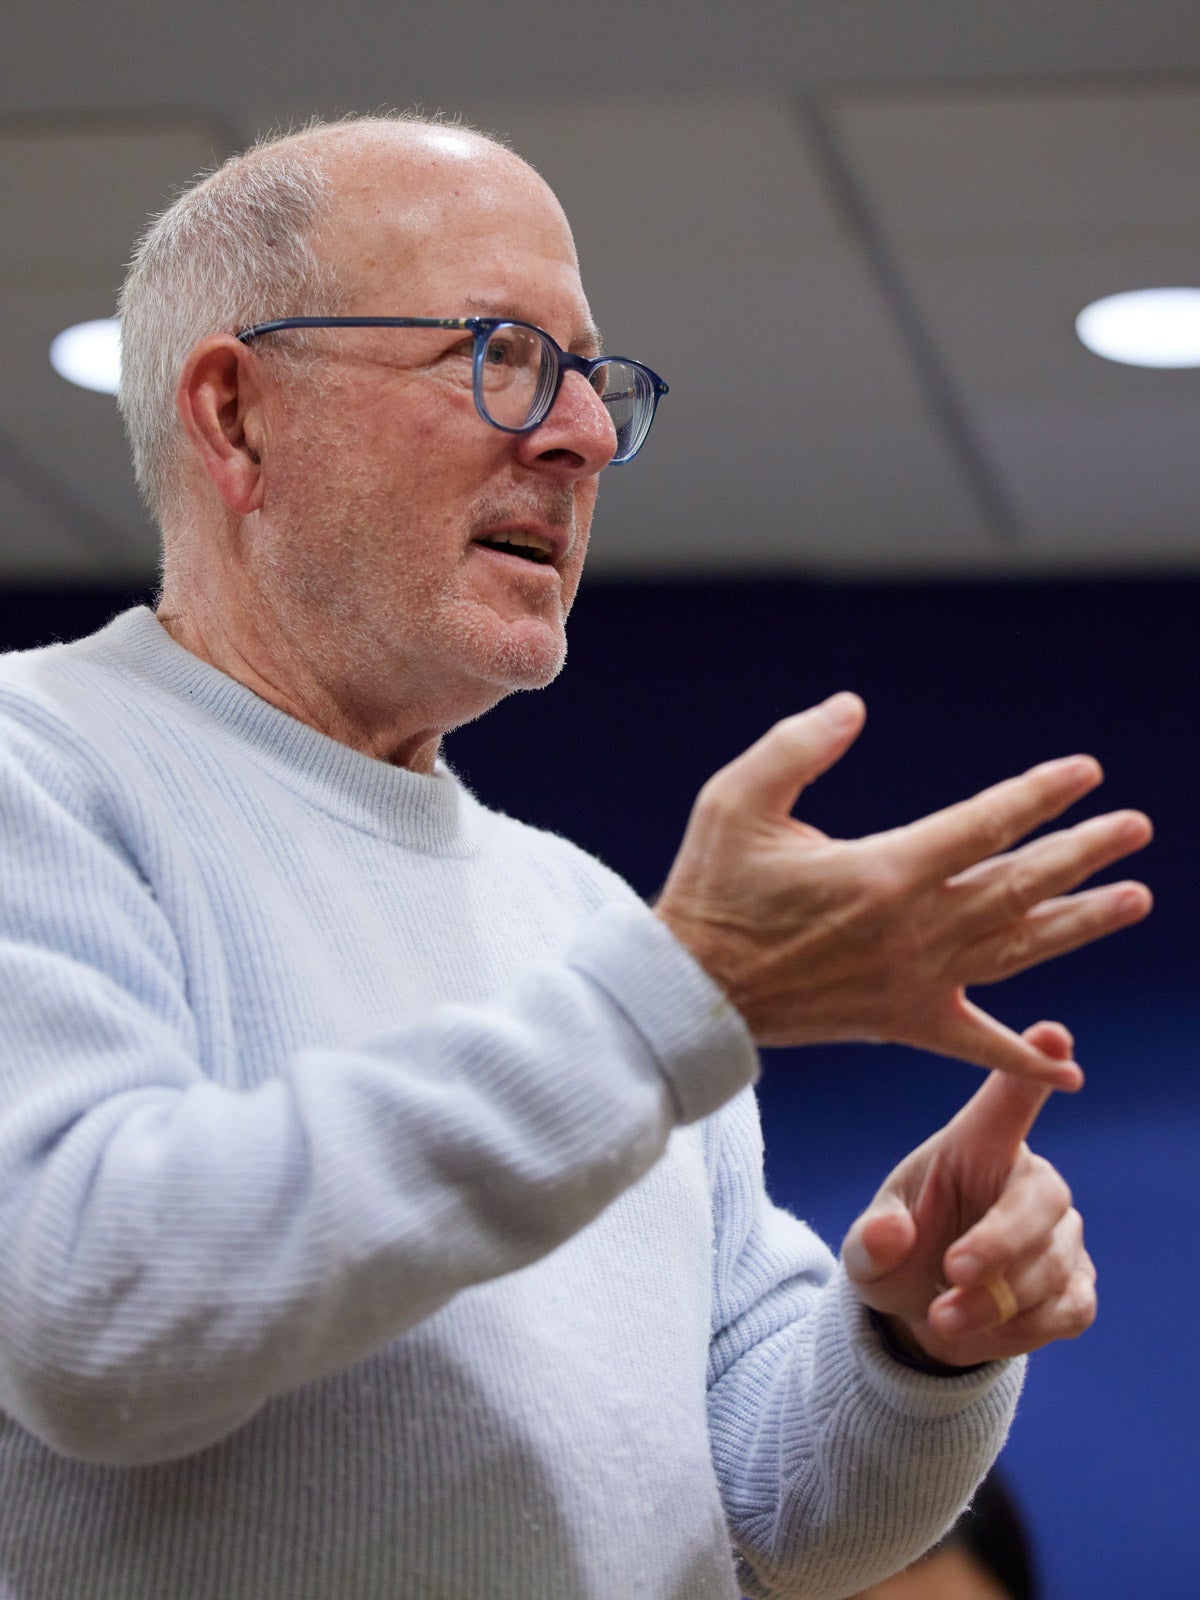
point(816, 939)
point(1030, 1207)
point(952, 840)
point(1052, 1039)
point(1056, 927)
point(966, 1032)
point(999, 1116)
point(995, 1122)
point(767, 778)
point(1047, 1293)
point(879, 1241)
point(1016, 1279)
point(1051, 866)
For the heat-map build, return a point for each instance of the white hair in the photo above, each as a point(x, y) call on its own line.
point(232, 250)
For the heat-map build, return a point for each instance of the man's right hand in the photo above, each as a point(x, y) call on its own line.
point(818, 939)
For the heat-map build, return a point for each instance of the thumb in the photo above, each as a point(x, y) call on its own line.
point(768, 777)
point(880, 1240)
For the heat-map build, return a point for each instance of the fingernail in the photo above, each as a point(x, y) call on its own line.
point(1133, 899)
point(975, 1313)
point(1080, 768)
point(950, 1318)
point(1135, 827)
point(843, 709)
point(858, 1261)
point(965, 1267)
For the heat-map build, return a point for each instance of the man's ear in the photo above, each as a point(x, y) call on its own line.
point(220, 403)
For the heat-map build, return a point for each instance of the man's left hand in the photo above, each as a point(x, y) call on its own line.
point(972, 1250)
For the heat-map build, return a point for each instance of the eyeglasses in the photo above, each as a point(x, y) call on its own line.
point(517, 371)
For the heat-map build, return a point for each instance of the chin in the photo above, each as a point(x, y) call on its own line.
point(507, 672)
point(529, 669)
point(527, 655)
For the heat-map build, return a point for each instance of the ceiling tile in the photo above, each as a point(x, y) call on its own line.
point(1103, 486)
point(794, 433)
point(1004, 215)
point(36, 542)
point(80, 190)
point(84, 189)
point(70, 438)
point(988, 162)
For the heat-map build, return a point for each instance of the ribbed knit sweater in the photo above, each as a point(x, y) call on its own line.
point(381, 1209)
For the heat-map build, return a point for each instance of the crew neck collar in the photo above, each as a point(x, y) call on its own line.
point(432, 813)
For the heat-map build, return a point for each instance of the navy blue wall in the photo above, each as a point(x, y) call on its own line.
point(964, 684)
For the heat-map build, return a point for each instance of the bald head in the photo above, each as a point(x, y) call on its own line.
point(269, 235)
point(409, 199)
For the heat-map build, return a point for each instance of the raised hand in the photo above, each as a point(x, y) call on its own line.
point(972, 1249)
point(818, 939)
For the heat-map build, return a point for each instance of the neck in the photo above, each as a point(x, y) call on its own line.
point(296, 681)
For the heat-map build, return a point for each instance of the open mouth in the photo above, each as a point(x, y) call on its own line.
point(525, 546)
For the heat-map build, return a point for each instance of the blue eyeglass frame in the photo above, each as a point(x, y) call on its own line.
point(481, 328)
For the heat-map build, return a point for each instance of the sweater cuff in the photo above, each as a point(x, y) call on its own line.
point(936, 1369)
point(902, 1385)
point(699, 1040)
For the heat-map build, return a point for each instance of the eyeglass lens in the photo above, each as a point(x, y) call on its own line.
point(519, 373)
point(627, 394)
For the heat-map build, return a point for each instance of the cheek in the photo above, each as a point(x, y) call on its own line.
point(436, 463)
point(570, 583)
point(410, 432)
point(585, 504)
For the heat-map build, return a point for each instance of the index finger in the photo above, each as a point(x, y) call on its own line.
point(1001, 1113)
point(998, 1117)
point(950, 841)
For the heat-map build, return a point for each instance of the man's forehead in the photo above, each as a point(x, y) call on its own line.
point(459, 219)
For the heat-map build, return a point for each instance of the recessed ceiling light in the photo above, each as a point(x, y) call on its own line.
point(89, 354)
point(1144, 327)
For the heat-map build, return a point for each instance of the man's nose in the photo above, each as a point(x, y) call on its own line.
point(576, 438)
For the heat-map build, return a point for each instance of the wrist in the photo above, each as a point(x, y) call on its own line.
point(903, 1346)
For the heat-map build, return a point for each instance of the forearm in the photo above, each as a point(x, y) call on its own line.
point(836, 1462)
point(872, 1461)
point(173, 1253)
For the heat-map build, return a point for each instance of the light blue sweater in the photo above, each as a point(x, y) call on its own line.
point(381, 1213)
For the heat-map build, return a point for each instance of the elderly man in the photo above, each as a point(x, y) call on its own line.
point(381, 1213)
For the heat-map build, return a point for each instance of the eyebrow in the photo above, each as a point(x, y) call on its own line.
point(589, 337)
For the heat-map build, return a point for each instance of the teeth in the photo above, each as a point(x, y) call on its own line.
point(539, 549)
point(528, 541)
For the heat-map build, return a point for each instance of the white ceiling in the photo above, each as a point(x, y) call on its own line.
point(853, 235)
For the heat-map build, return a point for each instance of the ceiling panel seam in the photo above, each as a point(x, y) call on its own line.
point(935, 384)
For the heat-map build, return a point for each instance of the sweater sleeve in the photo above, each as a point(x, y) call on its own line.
point(837, 1464)
point(174, 1252)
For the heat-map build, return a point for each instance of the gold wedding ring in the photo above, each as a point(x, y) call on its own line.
point(1001, 1292)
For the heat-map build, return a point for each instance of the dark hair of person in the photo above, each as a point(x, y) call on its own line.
point(991, 1531)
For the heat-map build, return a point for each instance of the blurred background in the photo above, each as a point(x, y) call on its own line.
point(854, 236)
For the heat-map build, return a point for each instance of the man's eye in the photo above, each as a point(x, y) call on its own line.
point(500, 353)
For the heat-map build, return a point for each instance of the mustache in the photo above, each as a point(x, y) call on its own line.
point(554, 507)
